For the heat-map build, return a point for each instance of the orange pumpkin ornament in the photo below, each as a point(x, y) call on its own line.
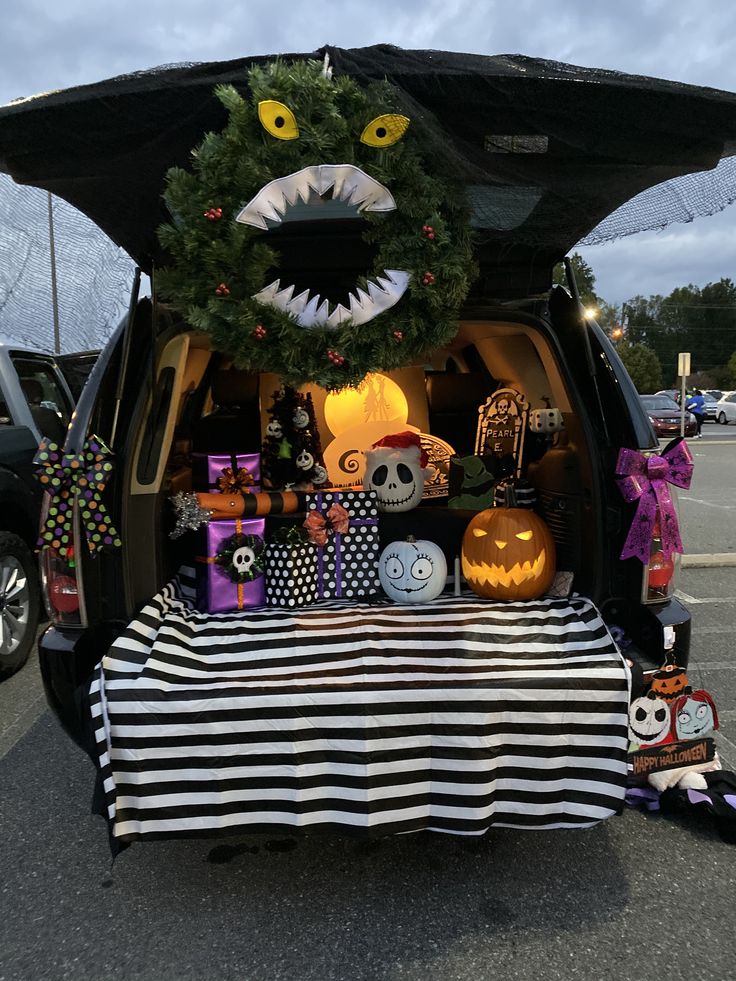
point(508, 553)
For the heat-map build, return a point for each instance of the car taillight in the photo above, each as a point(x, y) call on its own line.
point(660, 573)
point(61, 583)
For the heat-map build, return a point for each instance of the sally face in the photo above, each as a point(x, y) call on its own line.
point(694, 719)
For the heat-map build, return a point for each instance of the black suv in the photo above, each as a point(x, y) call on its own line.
point(549, 150)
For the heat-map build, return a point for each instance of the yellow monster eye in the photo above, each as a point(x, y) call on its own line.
point(525, 536)
point(278, 120)
point(385, 130)
point(479, 532)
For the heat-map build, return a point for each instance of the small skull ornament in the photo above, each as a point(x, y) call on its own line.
point(274, 429)
point(301, 418)
point(243, 559)
point(319, 475)
point(305, 460)
point(396, 468)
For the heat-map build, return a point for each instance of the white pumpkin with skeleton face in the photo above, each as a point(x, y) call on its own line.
point(396, 468)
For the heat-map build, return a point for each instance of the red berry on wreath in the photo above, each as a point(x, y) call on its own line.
point(428, 231)
point(335, 358)
point(428, 279)
point(398, 336)
point(222, 290)
point(259, 332)
point(218, 213)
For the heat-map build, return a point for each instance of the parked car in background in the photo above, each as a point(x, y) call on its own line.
point(671, 393)
point(76, 368)
point(664, 415)
point(716, 393)
point(35, 401)
point(726, 408)
point(711, 412)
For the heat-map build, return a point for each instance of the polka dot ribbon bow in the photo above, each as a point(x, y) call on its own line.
point(81, 476)
point(645, 479)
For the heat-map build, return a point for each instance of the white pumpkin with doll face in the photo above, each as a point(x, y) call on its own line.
point(412, 571)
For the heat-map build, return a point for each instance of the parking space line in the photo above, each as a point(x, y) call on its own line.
point(687, 598)
point(707, 560)
point(708, 504)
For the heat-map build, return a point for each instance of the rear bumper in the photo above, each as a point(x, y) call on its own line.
point(67, 660)
point(645, 626)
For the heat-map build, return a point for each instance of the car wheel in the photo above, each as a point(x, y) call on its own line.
point(19, 603)
point(722, 419)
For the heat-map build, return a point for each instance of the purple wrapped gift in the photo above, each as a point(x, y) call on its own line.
point(230, 572)
point(228, 473)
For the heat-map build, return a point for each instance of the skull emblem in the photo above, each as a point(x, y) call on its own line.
point(243, 559)
point(301, 418)
point(305, 460)
point(274, 429)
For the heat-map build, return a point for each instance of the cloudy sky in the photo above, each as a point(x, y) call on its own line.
point(48, 44)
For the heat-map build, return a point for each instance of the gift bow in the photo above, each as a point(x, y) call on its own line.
point(66, 476)
point(645, 478)
point(235, 481)
point(335, 522)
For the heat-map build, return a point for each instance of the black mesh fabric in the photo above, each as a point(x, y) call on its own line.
point(546, 150)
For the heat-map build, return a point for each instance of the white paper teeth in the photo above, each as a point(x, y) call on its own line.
point(348, 183)
point(364, 305)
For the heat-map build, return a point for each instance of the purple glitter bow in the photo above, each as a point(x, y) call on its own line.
point(645, 478)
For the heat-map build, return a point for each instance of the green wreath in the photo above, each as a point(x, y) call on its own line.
point(300, 136)
point(240, 557)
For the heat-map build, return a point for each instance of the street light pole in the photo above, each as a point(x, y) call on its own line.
point(54, 293)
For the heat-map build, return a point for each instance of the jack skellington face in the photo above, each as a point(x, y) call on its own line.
point(274, 429)
point(396, 474)
point(301, 418)
point(305, 460)
point(649, 720)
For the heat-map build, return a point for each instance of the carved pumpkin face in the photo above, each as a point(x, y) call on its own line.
point(669, 682)
point(508, 554)
point(412, 572)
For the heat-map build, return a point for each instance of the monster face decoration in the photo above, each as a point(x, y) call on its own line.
point(649, 720)
point(693, 715)
point(396, 468)
point(252, 262)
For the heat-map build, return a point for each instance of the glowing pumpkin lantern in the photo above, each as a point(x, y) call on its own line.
point(508, 553)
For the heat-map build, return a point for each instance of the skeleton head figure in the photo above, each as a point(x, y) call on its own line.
point(274, 429)
point(319, 476)
point(396, 468)
point(305, 460)
point(301, 418)
point(243, 559)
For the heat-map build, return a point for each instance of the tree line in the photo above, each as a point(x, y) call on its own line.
point(649, 332)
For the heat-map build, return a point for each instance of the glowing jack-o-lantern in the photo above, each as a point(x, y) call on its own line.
point(508, 554)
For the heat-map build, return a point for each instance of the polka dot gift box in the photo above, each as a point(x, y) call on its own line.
point(291, 570)
point(344, 527)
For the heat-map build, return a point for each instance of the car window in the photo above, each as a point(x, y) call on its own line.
point(46, 396)
point(732, 398)
point(659, 403)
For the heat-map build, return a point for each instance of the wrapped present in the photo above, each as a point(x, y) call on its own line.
point(291, 569)
point(226, 473)
point(344, 527)
point(230, 573)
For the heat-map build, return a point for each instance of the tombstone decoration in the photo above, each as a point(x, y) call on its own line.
point(502, 425)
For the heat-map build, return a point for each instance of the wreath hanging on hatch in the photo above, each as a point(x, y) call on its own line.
point(302, 141)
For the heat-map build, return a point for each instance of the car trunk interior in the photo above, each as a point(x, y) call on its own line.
point(202, 404)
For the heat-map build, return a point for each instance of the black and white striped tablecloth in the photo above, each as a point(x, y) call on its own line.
point(361, 719)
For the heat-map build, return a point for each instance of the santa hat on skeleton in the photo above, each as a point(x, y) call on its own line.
point(396, 468)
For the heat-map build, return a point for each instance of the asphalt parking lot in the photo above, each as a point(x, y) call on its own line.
point(642, 896)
